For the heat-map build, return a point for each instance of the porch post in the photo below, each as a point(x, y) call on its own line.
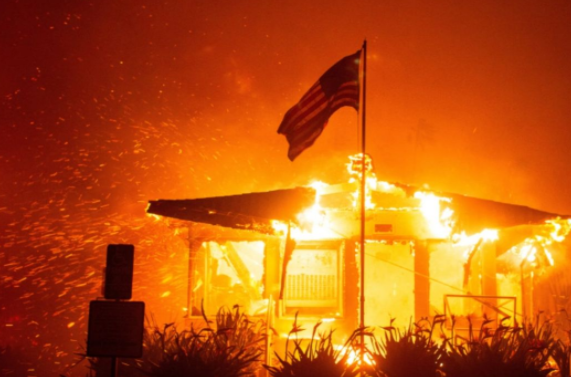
point(421, 280)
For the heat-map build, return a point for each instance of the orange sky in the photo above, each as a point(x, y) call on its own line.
point(201, 88)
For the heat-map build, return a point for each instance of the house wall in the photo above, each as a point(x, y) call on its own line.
point(389, 284)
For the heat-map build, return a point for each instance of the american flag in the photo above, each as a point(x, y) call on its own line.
point(337, 87)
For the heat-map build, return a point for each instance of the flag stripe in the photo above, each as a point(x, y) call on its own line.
point(303, 144)
point(337, 87)
point(307, 104)
point(306, 126)
point(298, 115)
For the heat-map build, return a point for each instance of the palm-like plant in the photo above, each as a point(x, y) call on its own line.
point(407, 352)
point(232, 348)
point(561, 354)
point(317, 358)
point(505, 352)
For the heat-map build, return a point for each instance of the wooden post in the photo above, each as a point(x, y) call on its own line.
point(421, 280)
point(194, 244)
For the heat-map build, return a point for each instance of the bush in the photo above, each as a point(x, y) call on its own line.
point(317, 358)
point(504, 352)
point(408, 352)
point(231, 347)
point(561, 356)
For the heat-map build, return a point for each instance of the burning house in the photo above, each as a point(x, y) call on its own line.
point(296, 252)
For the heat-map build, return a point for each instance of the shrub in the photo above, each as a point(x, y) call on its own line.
point(232, 348)
point(505, 352)
point(318, 358)
point(561, 356)
point(408, 352)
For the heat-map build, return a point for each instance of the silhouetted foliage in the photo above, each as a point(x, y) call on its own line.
point(406, 352)
point(317, 358)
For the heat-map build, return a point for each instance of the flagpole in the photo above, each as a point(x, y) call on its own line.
point(363, 182)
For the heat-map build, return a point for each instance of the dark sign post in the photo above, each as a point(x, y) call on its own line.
point(116, 327)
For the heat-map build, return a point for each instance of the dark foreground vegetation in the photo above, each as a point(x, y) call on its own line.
point(234, 344)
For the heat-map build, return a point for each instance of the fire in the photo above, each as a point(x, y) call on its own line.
point(153, 216)
point(354, 355)
point(439, 220)
point(536, 248)
point(486, 235)
point(355, 169)
point(560, 229)
point(528, 252)
point(316, 222)
point(313, 222)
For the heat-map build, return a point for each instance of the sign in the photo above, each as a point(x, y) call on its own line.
point(119, 272)
point(116, 329)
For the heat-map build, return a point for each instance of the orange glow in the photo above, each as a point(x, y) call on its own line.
point(354, 355)
point(556, 230)
point(313, 222)
point(314, 225)
point(439, 220)
point(486, 235)
point(528, 252)
point(354, 167)
point(152, 215)
point(560, 230)
point(549, 257)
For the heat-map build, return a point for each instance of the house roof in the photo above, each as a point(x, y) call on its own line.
point(474, 214)
point(255, 211)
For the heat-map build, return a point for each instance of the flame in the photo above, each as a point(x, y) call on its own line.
point(549, 257)
point(153, 216)
point(354, 355)
point(313, 222)
point(486, 235)
point(355, 169)
point(555, 230)
point(370, 184)
point(439, 220)
point(560, 229)
point(314, 225)
point(316, 222)
point(389, 188)
point(528, 252)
